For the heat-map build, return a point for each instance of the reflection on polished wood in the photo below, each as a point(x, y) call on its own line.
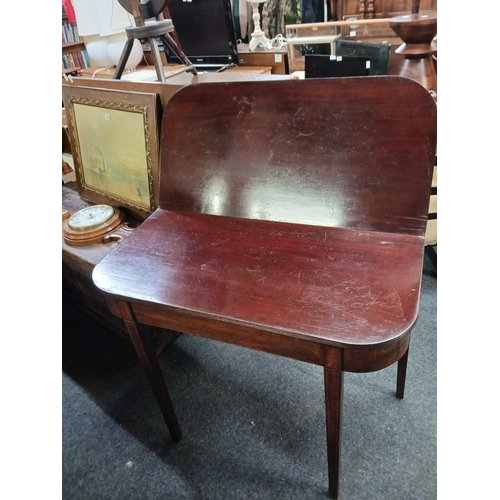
point(291, 220)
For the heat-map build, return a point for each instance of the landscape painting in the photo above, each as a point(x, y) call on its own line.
point(114, 139)
point(113, 152)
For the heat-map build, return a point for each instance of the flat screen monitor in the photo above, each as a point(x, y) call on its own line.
point(377, 52)
point(206, 32)
point(327, 66)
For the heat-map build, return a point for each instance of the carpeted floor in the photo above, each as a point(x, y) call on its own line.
point(253, 424)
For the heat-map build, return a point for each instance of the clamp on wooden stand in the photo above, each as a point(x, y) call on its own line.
point(150, 31)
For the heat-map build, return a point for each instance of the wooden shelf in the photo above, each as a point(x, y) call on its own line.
point(72, 71)
point(69, 48)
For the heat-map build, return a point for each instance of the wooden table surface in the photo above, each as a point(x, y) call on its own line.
point(336, 286)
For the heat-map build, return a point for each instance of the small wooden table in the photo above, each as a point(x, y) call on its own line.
point(291, 220)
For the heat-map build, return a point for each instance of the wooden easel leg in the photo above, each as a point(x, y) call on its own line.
point(178, 52)
point(400, 384)
point(157, 59)
point(127, 49)
point(147, 356)
point(333, 398)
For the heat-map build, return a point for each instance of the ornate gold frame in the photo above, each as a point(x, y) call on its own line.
point(84, 107)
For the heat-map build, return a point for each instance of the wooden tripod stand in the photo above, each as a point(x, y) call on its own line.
point(159, 28)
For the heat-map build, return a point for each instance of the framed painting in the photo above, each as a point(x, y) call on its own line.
point(114, 139)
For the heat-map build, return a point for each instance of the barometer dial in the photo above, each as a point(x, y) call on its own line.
point(90, 217)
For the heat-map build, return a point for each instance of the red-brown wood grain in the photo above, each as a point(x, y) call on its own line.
point(292, 219)
point(340, 287)
point(350, 152)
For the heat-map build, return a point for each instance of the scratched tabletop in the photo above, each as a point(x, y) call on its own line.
point(298, 280)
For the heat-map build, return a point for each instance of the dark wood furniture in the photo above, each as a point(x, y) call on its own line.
point(78, 263)
point(77, 285)
point(379, 8)
point(291, 220)
point(417, 31)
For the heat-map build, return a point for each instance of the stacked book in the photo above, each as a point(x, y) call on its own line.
point(79, 58)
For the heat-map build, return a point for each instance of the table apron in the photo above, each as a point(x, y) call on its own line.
point(349, 359)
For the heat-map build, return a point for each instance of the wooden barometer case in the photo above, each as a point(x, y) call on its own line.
point(94, 224)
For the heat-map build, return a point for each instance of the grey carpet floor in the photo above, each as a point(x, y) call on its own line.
point(253, 424)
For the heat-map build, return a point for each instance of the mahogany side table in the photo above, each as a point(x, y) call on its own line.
point(291, 220)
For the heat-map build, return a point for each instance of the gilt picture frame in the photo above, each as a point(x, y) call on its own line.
point(114, 137)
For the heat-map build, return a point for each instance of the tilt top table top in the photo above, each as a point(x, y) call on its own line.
point(310, 282)
point(291, 220)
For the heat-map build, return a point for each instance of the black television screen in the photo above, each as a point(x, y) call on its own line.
point(377, 52)
point(206, 32)
point(325, 66)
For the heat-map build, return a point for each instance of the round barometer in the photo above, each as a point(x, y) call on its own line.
point(90, 217)
point(93, 224)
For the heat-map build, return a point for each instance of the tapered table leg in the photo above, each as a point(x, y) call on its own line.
point(400, 384)
point(333, 399)
point(144, 347)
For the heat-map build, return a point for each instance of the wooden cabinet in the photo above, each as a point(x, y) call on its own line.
point(276, 58)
